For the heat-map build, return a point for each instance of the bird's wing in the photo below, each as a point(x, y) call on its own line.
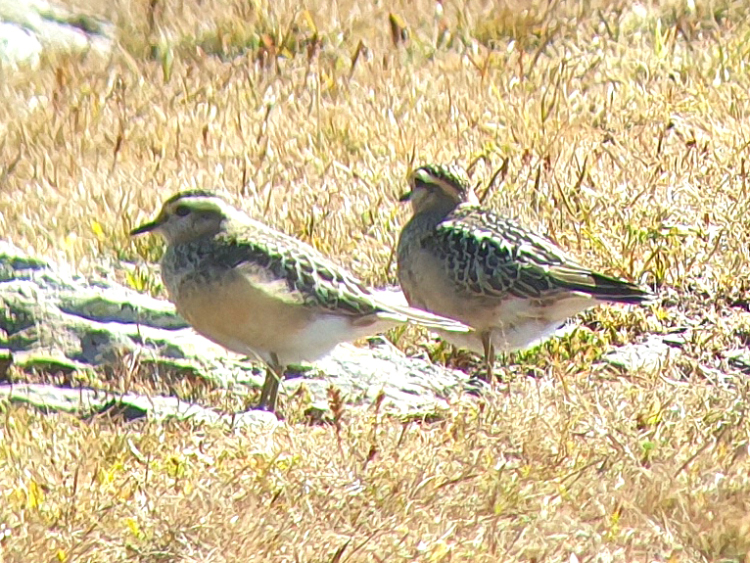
point(308, 276)
point(490, 255)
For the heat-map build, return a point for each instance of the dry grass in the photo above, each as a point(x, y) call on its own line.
point(620, 129)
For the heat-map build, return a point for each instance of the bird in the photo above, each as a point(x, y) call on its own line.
point(259, 292)
point(514, 287)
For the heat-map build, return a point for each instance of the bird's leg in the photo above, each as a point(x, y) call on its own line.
point(270, 391)
point(489, 354)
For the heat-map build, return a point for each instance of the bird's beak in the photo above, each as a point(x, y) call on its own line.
point(405, 197)
point(146, 227)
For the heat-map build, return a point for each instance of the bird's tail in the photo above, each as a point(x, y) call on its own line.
point(601, 287)
point(396, 308)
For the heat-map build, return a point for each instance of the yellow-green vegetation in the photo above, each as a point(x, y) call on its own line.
point(620, 129)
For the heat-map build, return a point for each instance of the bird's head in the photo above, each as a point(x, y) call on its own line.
point(190, 215)
point(438, 187)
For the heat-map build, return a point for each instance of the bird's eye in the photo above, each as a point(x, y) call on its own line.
point(181, 210)
point(423, 185)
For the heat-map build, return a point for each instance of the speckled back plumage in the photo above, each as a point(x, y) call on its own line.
point(508, 259)
point(310, 278)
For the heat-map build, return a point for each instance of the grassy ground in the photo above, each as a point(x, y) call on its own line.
point(620, 129)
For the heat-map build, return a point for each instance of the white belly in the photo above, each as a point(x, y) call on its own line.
point(252, 317)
